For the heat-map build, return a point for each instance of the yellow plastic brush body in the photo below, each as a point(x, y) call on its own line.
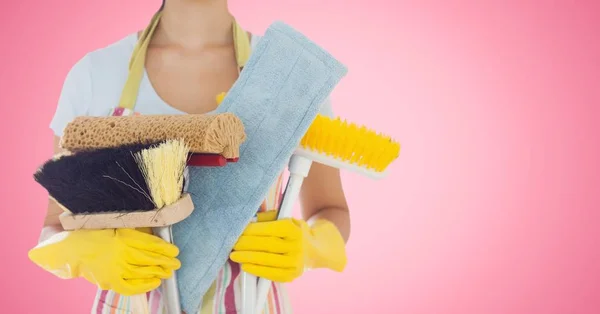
point(340, 144)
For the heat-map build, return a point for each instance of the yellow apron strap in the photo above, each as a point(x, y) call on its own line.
point(136, 66)
point(241, 44)
point(137, 62)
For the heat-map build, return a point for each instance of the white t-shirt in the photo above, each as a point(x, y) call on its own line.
point(94, 85)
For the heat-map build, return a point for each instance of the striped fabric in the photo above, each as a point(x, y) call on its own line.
point(119, 111)
point(223, 297)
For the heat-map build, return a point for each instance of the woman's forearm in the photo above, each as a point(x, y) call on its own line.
point(52, 224)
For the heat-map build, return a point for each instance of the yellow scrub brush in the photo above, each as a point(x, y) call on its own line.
point(337, 144)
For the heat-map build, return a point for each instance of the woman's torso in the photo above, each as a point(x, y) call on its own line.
point(168, 87)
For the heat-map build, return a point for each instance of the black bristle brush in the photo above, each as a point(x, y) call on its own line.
point(107, 180)
point(132, 186)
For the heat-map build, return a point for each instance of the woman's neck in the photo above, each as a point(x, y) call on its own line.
point(194, 24)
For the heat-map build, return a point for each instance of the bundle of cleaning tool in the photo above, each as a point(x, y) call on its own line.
point(129, 172)
point(276, 99)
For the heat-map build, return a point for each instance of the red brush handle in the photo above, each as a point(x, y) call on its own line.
point(209, 160)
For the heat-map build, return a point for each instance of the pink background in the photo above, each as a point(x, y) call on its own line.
point(492, 207)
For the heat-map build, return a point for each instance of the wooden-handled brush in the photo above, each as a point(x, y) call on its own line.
point(132, 186)
point(213, 139)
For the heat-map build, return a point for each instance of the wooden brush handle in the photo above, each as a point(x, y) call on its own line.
point(166, 216)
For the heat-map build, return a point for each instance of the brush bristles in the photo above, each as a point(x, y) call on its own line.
point(124, 179)
point(163, 167)
point(105, 180)
point(350, 143)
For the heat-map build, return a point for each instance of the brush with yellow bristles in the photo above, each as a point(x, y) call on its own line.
point(338, 144)
point(344, 145)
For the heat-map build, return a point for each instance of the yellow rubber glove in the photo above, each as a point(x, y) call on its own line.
point(126, 261)
point(281, 250)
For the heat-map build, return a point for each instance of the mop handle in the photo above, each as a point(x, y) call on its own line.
point(249, 282)
point(139, 304)
point(169, 286)
point(248, 293)
point(299, 167)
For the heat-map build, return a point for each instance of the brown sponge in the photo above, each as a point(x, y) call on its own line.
point(209, 133)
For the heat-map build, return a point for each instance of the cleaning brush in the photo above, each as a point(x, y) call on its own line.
point(213, 139)
point(129, 186)
point(339, 144)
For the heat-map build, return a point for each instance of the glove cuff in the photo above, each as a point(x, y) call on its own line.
point(326, 247)
point(48, 256)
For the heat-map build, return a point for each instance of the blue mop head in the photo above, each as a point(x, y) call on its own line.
point(277, 96)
